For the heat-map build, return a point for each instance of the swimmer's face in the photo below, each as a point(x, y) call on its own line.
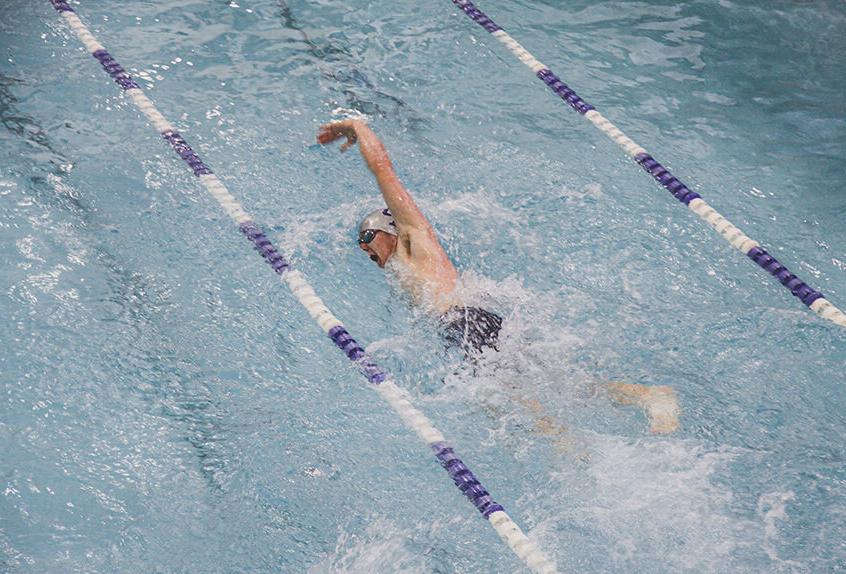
point(380, 248)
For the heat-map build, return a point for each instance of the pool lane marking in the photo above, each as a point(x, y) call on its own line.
point(383, 382)
point(728, 231)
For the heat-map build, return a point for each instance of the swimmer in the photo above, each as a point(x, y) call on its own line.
point(401, 239)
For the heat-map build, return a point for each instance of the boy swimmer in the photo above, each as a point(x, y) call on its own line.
point(402, 238)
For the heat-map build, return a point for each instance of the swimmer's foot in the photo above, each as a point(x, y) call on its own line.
point(662, 410)
point(659, 403)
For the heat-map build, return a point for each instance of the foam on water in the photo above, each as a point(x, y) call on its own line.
point(772, 508)
point(381, 547)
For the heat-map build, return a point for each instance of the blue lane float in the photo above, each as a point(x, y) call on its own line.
point(382, 382)
point(809, 296)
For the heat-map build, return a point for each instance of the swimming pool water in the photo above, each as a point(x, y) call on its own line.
point(168, 407)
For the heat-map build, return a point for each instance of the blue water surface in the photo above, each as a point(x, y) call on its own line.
point(167, 406)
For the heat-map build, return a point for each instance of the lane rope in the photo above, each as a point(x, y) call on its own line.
point(383, 382)
point(728, 231)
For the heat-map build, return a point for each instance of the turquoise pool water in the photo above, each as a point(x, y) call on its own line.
point(168, 407)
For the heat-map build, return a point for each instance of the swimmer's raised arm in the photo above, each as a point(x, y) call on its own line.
point(399, 201)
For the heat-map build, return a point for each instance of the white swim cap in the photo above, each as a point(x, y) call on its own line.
point(379, 220)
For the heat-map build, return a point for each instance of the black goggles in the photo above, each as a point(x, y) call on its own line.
point(366, 236)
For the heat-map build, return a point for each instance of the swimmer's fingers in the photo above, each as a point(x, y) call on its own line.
point(327, 134)
point(351, 139)
point(336, 130)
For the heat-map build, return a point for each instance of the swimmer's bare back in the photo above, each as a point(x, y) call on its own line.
point(429, 274)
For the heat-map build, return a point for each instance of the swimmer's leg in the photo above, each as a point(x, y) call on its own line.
point(659, 403)
point(545, 425)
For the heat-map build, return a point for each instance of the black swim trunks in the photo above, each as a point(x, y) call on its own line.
point(471, 328)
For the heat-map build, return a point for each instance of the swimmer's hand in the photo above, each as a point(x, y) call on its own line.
point(337, 130)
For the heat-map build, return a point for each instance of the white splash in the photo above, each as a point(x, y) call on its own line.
point(382, 548)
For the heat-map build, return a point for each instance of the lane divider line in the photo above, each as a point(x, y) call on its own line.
point(397, 398)
point(728, 231)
